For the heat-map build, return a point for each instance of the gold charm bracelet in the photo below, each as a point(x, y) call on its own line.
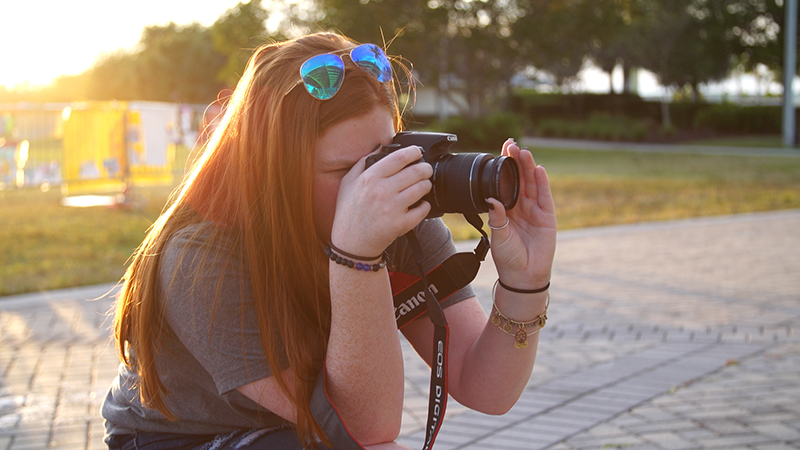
point(507, 324)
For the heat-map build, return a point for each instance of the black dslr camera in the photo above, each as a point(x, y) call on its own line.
point(461, 182)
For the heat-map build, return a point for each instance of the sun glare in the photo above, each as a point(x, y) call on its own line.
point(49, 38)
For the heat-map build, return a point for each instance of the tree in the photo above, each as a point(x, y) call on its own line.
point(114, 77)
point(181, 59)
point(618, 40)
point(456, 46)
point(754, 28)
point(236, 34)
point(557, 35)
point(172, 64)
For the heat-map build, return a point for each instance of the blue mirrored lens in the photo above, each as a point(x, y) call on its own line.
point(323, 75)
point(371, 58)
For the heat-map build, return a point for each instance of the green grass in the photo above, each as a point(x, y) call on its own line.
point(44, 245)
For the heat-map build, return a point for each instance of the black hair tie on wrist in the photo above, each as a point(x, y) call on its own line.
point(524, 291)
point(350, 255)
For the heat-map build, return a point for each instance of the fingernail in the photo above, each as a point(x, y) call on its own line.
point(491, 206)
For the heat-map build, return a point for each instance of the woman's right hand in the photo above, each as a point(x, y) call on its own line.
point(374, 206)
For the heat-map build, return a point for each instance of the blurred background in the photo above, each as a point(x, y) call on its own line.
point(103, 105)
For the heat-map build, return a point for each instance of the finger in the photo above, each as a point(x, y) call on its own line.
point(527, 150)
point(396, 161)
point(497, 216)
point(409, 176)
point(416, 215)
point(414, 193)
point(508, 142)
point(546, 201)
point(528, 171)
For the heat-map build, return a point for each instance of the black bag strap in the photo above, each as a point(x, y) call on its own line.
point(453, 274)
point(410, 291)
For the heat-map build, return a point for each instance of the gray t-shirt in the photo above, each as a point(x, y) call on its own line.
point(211, 343)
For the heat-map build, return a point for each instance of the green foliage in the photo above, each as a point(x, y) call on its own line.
point(235, 35)
point(172, 64)
point(598, 126)
point(597, 116)
point(485, 134)
point(734, 119)
point(537, 106)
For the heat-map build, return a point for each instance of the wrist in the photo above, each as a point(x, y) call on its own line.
point(523, 283)
point(341, 258)
point(355, 244)
point(346, 254)
point(523, 290)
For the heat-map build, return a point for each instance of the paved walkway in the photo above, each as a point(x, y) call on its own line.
point(675, 335)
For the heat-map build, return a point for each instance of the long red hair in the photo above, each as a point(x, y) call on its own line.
point(255, 178)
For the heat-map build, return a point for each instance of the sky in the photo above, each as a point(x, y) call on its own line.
point(42, 39)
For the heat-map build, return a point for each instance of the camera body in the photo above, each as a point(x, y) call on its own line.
point(461, 182)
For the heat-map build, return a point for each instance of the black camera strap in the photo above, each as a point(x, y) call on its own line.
point(409, 292)
point(455, 273)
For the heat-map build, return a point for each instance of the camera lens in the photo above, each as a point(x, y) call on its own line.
point(502, 180)
point(462, 182)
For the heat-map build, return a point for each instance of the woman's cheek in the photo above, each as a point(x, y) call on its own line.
point(325, 195)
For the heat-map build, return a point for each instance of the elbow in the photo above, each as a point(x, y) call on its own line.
point(380, 434)
point(497, 410)
point(493, 406)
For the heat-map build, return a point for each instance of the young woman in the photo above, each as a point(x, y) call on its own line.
point(230, 309)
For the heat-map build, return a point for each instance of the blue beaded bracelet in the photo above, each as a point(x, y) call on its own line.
point(342, 261)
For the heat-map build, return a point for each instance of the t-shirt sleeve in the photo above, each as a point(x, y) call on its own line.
point(208, 305)
point(437, 245)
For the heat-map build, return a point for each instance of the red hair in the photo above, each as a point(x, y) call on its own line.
point(255, 178)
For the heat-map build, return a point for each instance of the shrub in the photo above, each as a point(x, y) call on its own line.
point(481, 134)
point(599, 126)
point(735, 119)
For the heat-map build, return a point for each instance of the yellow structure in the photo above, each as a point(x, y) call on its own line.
point(97, 147)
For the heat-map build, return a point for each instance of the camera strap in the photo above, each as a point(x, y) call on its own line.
point(409, 292)
point(455, 273)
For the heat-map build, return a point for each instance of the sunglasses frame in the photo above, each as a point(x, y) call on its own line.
point(369, 57)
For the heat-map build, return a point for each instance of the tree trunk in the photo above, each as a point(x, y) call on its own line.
point(666, 122)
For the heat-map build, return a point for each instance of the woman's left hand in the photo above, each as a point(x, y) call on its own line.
point(523, 251)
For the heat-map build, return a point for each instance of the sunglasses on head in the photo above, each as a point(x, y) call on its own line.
point(322, 75)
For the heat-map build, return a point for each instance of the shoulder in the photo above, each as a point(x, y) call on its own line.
point(199, 244)
point(200, 260)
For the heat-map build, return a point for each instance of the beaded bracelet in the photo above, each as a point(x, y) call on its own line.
point(507, 324)
point(342, 261)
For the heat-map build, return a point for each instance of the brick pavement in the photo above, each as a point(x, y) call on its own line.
point(661, 336)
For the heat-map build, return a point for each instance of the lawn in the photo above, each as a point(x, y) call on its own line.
point(44, 245)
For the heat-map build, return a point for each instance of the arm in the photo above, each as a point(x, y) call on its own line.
point(487, 372)
point(364, 363)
